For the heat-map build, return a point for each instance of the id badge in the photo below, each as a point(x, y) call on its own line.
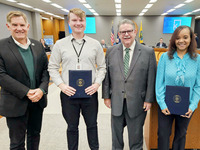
point(78, 66)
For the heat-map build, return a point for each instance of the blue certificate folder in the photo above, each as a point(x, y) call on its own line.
point(80, 80)
point(177, 99)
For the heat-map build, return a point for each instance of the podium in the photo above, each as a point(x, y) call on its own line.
point(151, 128)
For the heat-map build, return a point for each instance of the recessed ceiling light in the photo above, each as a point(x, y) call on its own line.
point(118, 14)
point(82, 1)
point(96, 14)
point(180, 5)
point(47, 1)
point(87, 6)
point(92, 10)
point(56, 5)
point(117, 1)
point(141, 14)
point(171, 10)
point(118, 10)
point(63, 9)
point(118, 5)
point(164, 14)
point(22, 4)
point(153, 1)
point(144, 10)
point(37, 9)
point(13, 1)
point(188, 1)
point(148, 5)
point(196, 10)
point(188, 13)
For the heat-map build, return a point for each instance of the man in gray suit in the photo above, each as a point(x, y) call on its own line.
point(129, 86)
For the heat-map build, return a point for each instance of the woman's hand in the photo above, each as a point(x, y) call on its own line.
point(188, 114)
point(166, 111)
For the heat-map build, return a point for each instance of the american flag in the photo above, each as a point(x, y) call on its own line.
point(112, 36)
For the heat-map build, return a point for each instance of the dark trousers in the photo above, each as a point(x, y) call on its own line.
point(135, 130)
point(164, 131)
point(27, 125)
point(71, 109)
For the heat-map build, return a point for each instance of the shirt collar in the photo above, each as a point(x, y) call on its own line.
point(21, 45)
point(72, 38)
point(132, 47)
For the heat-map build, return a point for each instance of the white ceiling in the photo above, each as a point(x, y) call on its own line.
point(107, 7)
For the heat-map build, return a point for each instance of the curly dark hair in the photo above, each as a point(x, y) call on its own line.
point(192, 49)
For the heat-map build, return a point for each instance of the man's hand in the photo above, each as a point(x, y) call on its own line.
point(146, 106)
point(35, 94)
point(188, 114)
point(166, 111)
point(107, 102)
point(92, 89)
point(68, 90)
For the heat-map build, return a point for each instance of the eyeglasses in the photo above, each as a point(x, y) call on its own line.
point(124, 32)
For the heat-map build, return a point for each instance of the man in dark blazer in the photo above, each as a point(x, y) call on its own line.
point(161, 44)
point(24, 83)
point(130, 91)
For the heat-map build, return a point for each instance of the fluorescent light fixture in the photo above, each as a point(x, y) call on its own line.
point(171, 10)
point(56, 5)
point(47, 1)
point(188, 1)
point(148, 5)
point(118, 5)
point(117, 1)
point(180, 5)
point(45, 18)
point(118, 14)
point(37, 9)
point(118, 10)
point(63, 9)
point(57, 16)
point(197, 17)
point(13, 1)
point(144, 10)
point(82, 1)
point(196, 10)
point(92, 10)
point(87, 6)
point(141, 14)
point(188, 13)
point(96, 14)
point(48, 13)
point(152, 1)
point(22, 4)
point(164, 14)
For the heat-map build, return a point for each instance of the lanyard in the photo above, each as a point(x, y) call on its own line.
point(78, 55)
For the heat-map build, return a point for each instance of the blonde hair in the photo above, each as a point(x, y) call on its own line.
point(12, 14)
point(77, 11)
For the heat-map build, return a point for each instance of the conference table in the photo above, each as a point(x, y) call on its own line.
point(151, 123)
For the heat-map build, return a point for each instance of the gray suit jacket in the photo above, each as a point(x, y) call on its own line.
point(139, 85)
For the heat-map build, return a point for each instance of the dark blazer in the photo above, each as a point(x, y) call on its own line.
point(139, 85)
point(14, 78)
point(163, 45)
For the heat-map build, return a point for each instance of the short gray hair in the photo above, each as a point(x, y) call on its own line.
point(126, 21)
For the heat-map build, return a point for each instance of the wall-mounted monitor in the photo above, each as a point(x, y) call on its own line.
point(48, 39)
point(90, 26)
point(171, 23)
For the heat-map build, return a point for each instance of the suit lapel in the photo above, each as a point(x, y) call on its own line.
point(34, 52)
point(13, 47)
point(136, 55)
point(120, 58)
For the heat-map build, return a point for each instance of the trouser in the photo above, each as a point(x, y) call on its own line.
point(29, 124)
point(71, 109)
point(165, 127)
point(134, 126)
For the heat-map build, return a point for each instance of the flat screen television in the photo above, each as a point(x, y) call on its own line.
point(90, 26)
point(171, 23)
point(48, 39)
